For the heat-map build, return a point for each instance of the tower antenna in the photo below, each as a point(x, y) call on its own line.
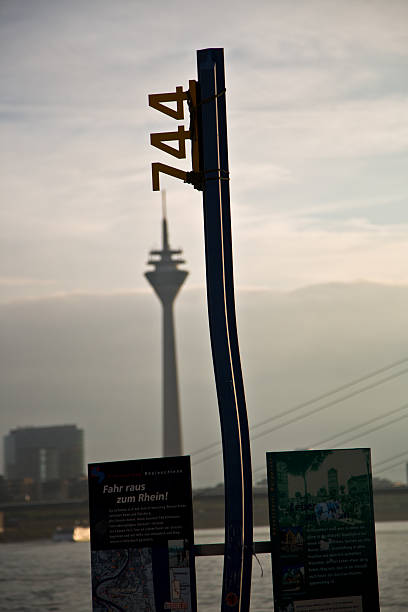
point(164, 204)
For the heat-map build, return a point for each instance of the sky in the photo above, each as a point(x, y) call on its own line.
point(318, 142)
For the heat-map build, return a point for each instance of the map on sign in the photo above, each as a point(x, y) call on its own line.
point(122, 580)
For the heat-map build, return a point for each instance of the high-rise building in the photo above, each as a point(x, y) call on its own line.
point(333, 482)
point(166, 279)
point(282, 482)
point(44, 454)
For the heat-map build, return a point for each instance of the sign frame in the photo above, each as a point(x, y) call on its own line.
point(322, 530)
point(141, 524)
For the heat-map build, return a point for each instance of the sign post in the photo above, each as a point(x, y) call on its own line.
point(210, 174)
point(223, 331)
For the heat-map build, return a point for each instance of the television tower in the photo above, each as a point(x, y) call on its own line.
point(166, 279)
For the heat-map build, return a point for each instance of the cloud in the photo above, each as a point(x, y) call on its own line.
point(346, 130)
point(317, 115)
point(24, 282)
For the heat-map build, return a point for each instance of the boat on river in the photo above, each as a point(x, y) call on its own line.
point(77, 533)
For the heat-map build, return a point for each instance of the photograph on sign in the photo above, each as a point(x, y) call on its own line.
point(322, 531)
point(142, 535)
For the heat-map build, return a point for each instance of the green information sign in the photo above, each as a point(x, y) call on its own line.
point(322, 531)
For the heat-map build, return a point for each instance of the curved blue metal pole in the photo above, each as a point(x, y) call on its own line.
point(223, 331)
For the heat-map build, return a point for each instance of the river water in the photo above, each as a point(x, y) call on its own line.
point(52, 576)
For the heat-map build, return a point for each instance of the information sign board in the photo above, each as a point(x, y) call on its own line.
point(142, 535)
point(322, 531)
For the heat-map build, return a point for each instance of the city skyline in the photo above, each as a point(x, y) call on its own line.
point(318, 134)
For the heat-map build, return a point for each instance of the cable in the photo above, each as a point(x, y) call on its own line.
point(389, 467)
point(333, 392)
point(314, 411)
point(330, 404)
point(390, 459)
point(313, 400)
point(363, 433)
point(378, 418)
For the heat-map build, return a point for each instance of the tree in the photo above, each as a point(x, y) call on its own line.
point(299, 463)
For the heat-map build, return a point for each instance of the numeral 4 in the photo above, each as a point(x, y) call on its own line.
point(178, 96)
point(157, 140)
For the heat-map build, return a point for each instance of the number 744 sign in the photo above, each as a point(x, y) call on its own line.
point(174, 143)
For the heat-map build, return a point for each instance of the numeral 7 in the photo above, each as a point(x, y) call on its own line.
point(157, 167)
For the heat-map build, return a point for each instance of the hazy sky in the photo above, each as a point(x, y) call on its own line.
point(318, 131)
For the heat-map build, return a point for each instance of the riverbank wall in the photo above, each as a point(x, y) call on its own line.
point(38, 520)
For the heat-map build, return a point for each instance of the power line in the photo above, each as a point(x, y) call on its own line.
point(378, 418)
point(298, 418)
point(363, 433)
point(352, 383)
point(315, 399)
point(390, 467)
point(330, 404)
point(390, 459)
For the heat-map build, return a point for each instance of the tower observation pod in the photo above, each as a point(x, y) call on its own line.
point(166, 279)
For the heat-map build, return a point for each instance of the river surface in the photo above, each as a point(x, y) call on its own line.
point(52, 576)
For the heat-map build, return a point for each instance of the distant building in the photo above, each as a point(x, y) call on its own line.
point(333, 482)
point(44, 454)
point(282, 481)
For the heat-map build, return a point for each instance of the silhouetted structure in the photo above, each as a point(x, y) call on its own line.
point(166, 279)
point(44, 453)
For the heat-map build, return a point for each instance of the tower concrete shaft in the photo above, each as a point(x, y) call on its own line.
point(166, 279)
